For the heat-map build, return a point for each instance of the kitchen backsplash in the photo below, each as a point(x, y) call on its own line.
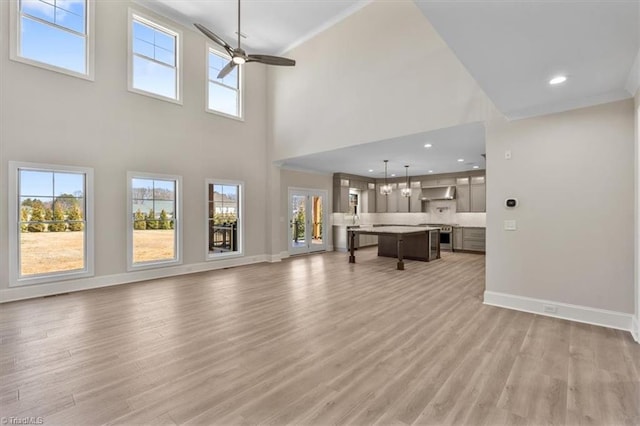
point(439, 212)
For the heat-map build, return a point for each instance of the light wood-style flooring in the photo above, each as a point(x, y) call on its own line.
point(311, 340)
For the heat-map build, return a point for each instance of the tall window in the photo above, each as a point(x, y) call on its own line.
point(54, 34)
point(52, 222)
point(224, 218)
point(154, 59)
point(154, 219)
point(223, 93)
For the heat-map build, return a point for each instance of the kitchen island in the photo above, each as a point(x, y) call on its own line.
point(404, 242)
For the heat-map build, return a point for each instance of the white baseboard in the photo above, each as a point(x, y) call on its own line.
point(38, 290)
point(635, 330)
point(584, 314)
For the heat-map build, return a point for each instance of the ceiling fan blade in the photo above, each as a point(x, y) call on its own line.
point(215, 38)
point(271, 60)
point(226, 70)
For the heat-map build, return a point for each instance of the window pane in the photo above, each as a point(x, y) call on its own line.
point(44, 252)
point(154, 78)
point(36, 183)
point(77, 7)
point(167, 206)
point(165, 57)
point(38, 9)
point(143, 32)
point(69, 184)
point(165, 41)
point(142, 47)
point(70, 20)
point(217, 62)
point(223, 99)
point(142, 189)
point(223, 223)
point(46, 247)
point(61, 49)
point(153, 245)
point(154, 221)
point(164, 190)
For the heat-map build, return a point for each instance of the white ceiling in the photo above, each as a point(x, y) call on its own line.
point(514, 47)
point(511, 47)
point(465, 142)
point(270, 26)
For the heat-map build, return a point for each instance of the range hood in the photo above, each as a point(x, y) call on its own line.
point(439, 193)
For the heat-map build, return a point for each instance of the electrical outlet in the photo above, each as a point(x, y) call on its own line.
point(550, 309)
point(510, 225)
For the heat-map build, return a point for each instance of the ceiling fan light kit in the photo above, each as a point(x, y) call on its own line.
point(238, 55)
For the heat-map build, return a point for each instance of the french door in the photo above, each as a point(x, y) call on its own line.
point(307, 221)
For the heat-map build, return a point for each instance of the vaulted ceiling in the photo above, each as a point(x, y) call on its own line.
point(511, 47)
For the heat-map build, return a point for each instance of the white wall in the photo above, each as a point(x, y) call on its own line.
point(53, 118)
point(573, 175)
point(382, 72)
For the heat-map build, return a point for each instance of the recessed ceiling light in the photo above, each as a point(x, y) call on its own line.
point(393, 175)
point(430, 171)
point(558, 79)
point(370, 170)
point(476, 167)
point(460, 160)
point(427, 145)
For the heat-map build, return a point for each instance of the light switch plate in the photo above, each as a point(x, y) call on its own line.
point(510, 225)
point(507, 154)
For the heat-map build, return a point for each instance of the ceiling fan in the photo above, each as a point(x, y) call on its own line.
point(238, 55)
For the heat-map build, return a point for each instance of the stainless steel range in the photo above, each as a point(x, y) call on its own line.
point(446, 235)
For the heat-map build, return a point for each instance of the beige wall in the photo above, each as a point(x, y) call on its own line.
point(382, 72)
point(53, 118)
point(573, 175)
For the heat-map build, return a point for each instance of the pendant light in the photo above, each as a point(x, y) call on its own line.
point(386, 188)
point(406, 191)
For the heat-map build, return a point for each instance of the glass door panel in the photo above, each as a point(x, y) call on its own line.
point(306, 221)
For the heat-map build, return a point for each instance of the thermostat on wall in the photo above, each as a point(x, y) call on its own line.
point(511, 202)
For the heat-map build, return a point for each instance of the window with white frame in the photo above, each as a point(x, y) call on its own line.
point(52, 222)
point(154, 58)
point(223, 94)
point(154, 219)
point(224, 218)
point(54, 34)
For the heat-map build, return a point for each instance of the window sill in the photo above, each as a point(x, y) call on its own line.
point(50, 278)
point(49, 67)
point(153, 265)
point(155, 96)
point(225, 115)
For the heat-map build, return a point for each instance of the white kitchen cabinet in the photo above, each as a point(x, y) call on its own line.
point(478, 198)
point(415, 202)
point(457, 238)
point(393, 198)
point(462, 198)
point(381, 200)
point(473, 239)
point(471, 194)
point(340, 197)
point(445, 181)
point(403, 202)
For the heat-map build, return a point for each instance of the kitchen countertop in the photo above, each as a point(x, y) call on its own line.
point(392, 229)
